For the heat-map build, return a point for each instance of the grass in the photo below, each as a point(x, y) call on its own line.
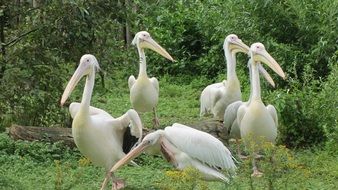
point(26, 165)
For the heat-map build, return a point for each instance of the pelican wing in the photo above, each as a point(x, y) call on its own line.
point(215, 97)
point(74, 107)
point(207, 97)
point(240, 114)
point(230, 114)
point(130, 119)
point(131, 81)
point(272, 111)
point(201, 146)
point(154, 81)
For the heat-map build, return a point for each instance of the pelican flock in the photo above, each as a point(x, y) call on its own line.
point(144, 91)
point(100, 137)
point(96, 133)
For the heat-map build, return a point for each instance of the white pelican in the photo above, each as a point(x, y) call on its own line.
point(257, 122)
point(216, 97)
point(183, 147)
point(98, 135)
point(144, 91)
point(230, 115)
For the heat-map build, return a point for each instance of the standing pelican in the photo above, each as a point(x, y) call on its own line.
point(230, 123)
point(144, 91)
point(98, 135)
point(257, 122)
point(184, 147)
point(216, 97)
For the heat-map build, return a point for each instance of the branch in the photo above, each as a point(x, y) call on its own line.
point(22, 14)
point(14, 41)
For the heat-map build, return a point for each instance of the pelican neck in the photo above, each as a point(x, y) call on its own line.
point(255, 82)
point(143, 66)
point(231, 65)
point(88, 90)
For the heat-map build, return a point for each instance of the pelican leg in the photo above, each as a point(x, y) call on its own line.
point(117, 183)
point(256, 172)
point(239, 153)
point(156, 122)
point(105, 181)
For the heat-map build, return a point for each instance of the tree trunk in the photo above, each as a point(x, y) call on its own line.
point(55, 134)
point(46, 134)
point(2, 33)
point(213, 127)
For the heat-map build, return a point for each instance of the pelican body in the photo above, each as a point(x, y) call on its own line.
point(257, 122)
point(144, 91)
point(216, 97)
point(96, 133)
point(183, 147)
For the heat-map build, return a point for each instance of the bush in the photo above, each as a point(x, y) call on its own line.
point(36, 151)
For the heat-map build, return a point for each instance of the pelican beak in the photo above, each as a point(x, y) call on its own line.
point(78, 74)
point(151, 44)
point(239, 46)
point(131, 155)
point(266, 75)
point(265, 57)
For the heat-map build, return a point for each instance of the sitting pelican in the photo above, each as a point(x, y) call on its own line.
point(183, 147)
point(230, 123)
point(98, 135)
point(257, 122)
point(216, 97)
point(144, 91)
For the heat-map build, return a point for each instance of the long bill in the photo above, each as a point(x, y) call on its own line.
point(265, 57)
point(153, 45)
point(131, 155)
point(78, 74)
point(239, 46)
point(266, 75)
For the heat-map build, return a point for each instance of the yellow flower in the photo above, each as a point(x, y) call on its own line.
point(84, 161)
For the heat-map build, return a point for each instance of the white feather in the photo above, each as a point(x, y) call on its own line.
point(207, 99)
point(155, 83)
point(201, 146)
point(230, 119)
point(273, 112)
point(131, 81)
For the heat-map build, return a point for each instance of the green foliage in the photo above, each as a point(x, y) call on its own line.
point(326, 107)
point(308, 111)
point(299, 126)
point(36, 151)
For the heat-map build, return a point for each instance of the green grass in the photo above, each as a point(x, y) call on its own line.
point(313, 169)
point(26, 165)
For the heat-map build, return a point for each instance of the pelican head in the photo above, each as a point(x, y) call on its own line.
point(234, 44)
point(259, 54)
point(143, 40)
point(88, 64)
point(148, 141)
